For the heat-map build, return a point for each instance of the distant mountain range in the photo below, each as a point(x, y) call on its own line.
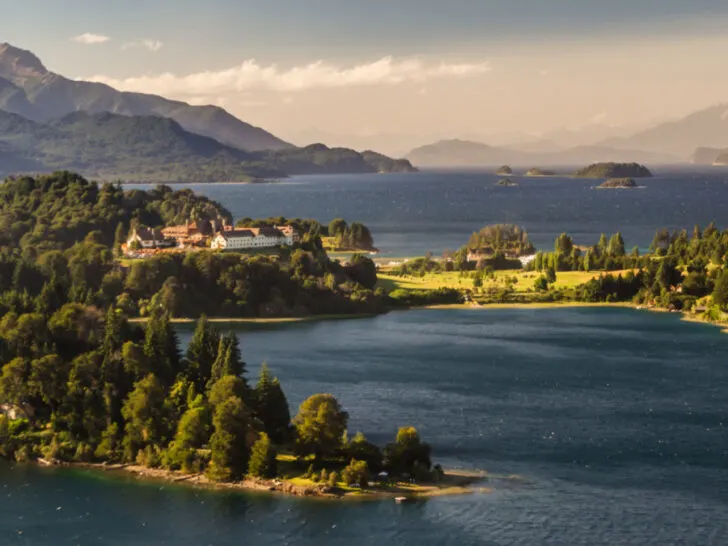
point(706, 128)
point(463, 153)
point(157, 149)
point(49, 122)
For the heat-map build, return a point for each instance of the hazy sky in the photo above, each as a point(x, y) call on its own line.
point(420, 69)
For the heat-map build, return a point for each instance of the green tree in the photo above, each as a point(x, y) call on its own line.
point(119, 238)
point(193, 431)
point(230, 443)
point(541, 284)
point(407, 453)
point(361, 449)
point(47, 381)
point(271, 407)
point(228, 361)
point(263, 458)
point(337, 227)
point(363, 271)
point(320, 426)
point(202, 352)
point(14, 384)
point(616, 246)
point(146, 416)
point(720, 291)
point(356, 473)
point(602, 245)
point(229, 386)
point(161, 347)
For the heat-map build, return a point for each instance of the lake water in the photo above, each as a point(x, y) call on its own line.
point(410, 214)
point(615, 419)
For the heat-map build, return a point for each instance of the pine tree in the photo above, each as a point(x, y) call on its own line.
point(616, 246)
point(202, 352)
point(602, 245)
point(228, 361)
point(271, 407)
point(119, 238)
point(263, 458)
point(161, 347)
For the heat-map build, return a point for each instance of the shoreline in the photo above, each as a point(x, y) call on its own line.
point(272, 321)
point(454, 482)
point(262, 320)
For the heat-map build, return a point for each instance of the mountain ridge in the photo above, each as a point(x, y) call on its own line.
point(463, 153)
point(48, 95)
point(157, 149)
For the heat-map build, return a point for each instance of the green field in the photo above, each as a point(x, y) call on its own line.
point(524, 280)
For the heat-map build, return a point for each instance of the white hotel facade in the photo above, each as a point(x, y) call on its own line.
point(254, 238)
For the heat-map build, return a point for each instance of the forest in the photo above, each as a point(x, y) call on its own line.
point(680, 271)
point(88, 386)
point(60, 242)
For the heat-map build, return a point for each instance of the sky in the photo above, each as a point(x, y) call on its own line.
point(396, 72)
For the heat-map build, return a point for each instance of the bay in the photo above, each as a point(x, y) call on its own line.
point(411, 214)
point(615, 419)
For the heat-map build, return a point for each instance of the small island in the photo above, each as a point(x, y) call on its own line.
point(505, 170)
point(507, 182)
point(618, 183)
point(614, 170)
point(539, 172)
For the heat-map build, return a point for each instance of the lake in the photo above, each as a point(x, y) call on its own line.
point(410, 214)
point(616, 421)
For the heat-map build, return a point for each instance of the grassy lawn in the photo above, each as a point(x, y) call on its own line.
point(525, 280)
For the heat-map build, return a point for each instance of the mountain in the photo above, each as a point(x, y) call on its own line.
point(463, 153)
point(29, 89)
point(156, 149)
point(705, 156)
point(705, 128)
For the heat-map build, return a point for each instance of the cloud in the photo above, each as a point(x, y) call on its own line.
point(91, 39)
point(250, 75)
point(151, 45)
point(598, 119)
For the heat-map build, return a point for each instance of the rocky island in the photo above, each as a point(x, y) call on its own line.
point(619, 183)
point(614, 170)
point(539, 172)
point(507, 182)
point(505, 170)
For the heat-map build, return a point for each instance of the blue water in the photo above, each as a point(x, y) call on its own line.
point(616, 420)
point(410, 214)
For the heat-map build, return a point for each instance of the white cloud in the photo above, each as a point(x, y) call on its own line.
point(91, 39)
point(151, 45)
point(251, 75)
point(598, 119)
